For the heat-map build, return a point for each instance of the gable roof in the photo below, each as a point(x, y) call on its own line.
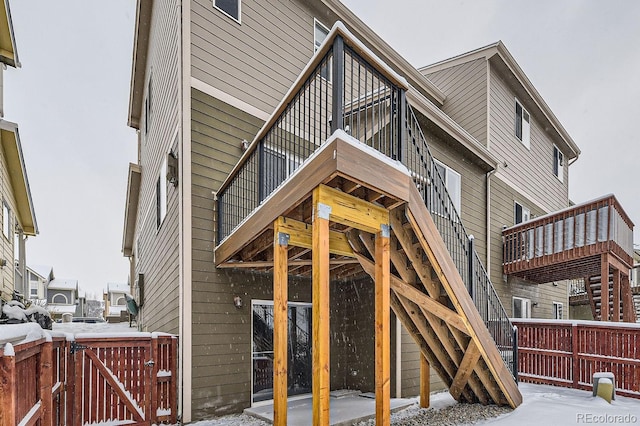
point(63, 284)
point(43, 271)
point(8, 51)
point(17, 171)
point(499, 55)
point(118, 288)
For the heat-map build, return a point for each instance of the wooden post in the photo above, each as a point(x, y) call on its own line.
point(280, 324)
point(628, 306)
point(46, 383)
point(615, 314)
point(383, 327)
point(8, 387)
point(320, 311)
point(604, 288)
point(575, 362)
point(69, 393)
point(425, 382)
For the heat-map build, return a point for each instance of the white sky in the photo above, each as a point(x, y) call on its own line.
point(70, 99)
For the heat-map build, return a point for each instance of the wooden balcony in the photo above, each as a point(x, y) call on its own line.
point(570, 243)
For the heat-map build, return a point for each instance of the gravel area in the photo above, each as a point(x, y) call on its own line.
point(457, 414)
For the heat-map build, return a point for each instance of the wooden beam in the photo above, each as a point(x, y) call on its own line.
point(280, 327)
point(291, 263)
point(425, 382)
point(382, 328)
point(604, 288)
point(320, 313)
point(471, 357)
point(352, 211)
point(628, 306)
point(300, 236)
point(615, 314)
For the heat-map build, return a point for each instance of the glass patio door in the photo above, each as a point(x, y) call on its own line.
point(298, 353)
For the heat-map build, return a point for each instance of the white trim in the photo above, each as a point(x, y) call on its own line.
point(239, 19)
point(185, 273)
point(227, 98)
point(524, 193)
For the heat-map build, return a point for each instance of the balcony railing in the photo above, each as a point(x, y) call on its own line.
point(346, 87)
point(538, 249)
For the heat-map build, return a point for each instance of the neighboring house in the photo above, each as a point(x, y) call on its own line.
point(62, 297)
point(114, 300)
point(39, 277)
point(635, 282)
point(18, 216)
point(204, 82)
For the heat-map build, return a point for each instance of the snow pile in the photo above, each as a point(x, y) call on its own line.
point(21, 333)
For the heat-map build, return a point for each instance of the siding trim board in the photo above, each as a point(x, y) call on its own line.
point(228, 99)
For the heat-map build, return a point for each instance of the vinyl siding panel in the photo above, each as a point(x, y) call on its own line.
point(7, 248)
point(255, 61)
point(531, 170)
point(503, 198)
point(465, 86)
point(410, 365)
point(156, 250)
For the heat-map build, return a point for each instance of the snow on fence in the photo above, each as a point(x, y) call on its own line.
point(567, 353)
point(91, 379)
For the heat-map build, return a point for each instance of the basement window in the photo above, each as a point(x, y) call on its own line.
point(231, 8)
point(521, 307)
point(558, 163)
point(523, 125)
point(557, 310)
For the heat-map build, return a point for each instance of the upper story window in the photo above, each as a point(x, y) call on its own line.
point(230, 8)
point(453, 183)
point(521, 213)
point(521, 307)
point(161, 194)
point(320, 32)
point(523, 125)
point(558, 163)
point(6, 220)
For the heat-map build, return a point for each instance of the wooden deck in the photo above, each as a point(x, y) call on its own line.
point(349, 211)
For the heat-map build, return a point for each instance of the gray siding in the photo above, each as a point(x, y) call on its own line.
point(530, 170)
point(503, 198)
point(410, 364)
point(157, 249)
point(255, 61)
point(465, 86)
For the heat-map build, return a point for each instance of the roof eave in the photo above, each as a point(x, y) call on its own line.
point(131, 209)
point(8, 53)
point(385, 51)
point(139, 61)
point(18, 177)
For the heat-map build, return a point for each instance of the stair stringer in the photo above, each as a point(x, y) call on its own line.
point(447, 273)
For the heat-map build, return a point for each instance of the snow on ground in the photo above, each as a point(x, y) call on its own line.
point(542, 405)
point(100, 327)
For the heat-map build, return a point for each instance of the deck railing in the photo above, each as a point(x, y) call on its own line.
point(588, 229)
point(345, 87)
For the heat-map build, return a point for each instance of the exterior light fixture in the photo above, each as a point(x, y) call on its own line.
point(237, 302)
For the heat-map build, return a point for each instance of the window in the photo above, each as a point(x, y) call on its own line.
point(147, 107)
point(523, 125)
point(521, 307)
point(521, 213)
point(33, 289)
point(453, 183)
point(230, 8)
point(557, 310)
point(60, 298)
point(278, 166)
point(161, 194)
point(320, 32)
point(6, 220)
point(558, 163)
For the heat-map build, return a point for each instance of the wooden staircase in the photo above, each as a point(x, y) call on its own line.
point(623, 302)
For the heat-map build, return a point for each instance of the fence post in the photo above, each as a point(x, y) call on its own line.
point(575, 370)
point(337, 110)
point(153, 392)
point(515, 353)
point(173, 391)
point(8, 387)
point(46, 383)
point(470, 271)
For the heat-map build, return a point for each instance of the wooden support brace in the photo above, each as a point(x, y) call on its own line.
point(604, 288)
point(471, 357)
point(280, 325)
point(320, 311)
point(300, 236)
point(382, 328)
point(425, 382)
point(352, 211)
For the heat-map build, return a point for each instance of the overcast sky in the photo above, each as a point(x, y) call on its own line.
point(70, 99)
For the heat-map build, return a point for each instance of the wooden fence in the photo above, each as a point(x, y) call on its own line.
point(128, 380)
point(567, 353)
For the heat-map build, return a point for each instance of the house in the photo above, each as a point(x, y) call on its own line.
point(18, 215)
point(115, 303)
point(62, 297)
point(635, 281)
point(242, 129)
point(38, 277)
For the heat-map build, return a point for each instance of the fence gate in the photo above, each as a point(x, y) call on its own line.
point(119, 381)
